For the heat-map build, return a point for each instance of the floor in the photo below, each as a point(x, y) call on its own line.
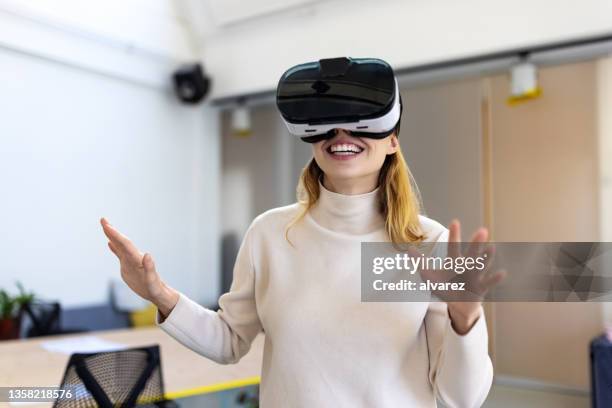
point(235, 398)
point(512, 397)
point(499, 397)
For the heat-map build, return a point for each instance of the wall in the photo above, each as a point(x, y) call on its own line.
point(441, 122)
point(544, 184)
point(257, 172)
point(546, 188)
point(251, 56)
point(546, 180)
point(441, 140)
point(604, 130)
point(77, 144)
point(139, 40)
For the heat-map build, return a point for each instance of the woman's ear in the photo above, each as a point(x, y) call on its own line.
point(393, 144)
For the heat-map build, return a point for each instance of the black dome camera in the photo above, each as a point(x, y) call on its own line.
point(190, 83)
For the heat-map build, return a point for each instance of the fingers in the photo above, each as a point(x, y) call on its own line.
point(454, 239)
point(454, 231)
point(150, 274)
point(115, 236)
point(113, 249)
point(477, 243)
point(110, 231)
point(104, 222)
point(105, 226)
point(489, 254)
point(123, 247)
point(148, 264)
point(479, 238)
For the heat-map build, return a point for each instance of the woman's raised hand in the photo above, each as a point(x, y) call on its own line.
point(464, 306)
point(138, 270)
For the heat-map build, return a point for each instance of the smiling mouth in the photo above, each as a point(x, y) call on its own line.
point(344, 149)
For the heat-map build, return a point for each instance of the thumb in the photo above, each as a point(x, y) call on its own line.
point(147, 262)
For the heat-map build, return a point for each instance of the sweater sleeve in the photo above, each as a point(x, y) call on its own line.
point(226, 335)
point(460, 369)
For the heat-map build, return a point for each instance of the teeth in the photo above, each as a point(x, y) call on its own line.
point(348, 148)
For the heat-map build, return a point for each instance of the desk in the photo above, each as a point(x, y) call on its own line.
point(24, 363)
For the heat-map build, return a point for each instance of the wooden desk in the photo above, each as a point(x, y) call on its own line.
point(24, 363)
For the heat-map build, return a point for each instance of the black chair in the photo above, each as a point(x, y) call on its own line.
point(44, 319)
point(103, 316)
point(112, 379)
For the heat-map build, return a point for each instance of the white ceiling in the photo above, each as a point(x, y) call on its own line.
point(227, 12)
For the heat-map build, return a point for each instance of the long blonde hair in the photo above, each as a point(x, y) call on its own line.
point(399, 202)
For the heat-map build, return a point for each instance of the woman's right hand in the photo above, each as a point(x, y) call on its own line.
point(138, 271)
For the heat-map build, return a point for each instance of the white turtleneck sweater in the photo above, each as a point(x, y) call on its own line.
point(323, 346)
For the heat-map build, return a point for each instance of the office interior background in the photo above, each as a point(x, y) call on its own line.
point(90, 126)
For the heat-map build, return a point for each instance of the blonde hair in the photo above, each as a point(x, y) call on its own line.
point(398, 198)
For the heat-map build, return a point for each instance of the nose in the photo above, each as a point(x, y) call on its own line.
point(342, 132)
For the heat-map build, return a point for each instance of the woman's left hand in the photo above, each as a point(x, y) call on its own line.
point(464, 309)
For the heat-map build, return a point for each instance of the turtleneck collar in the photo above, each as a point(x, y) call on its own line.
point(350, 214)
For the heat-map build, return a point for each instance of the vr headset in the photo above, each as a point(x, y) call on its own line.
point(359, 95)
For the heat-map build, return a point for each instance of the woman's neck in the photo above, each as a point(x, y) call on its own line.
point(353, 214)
point(352, 185)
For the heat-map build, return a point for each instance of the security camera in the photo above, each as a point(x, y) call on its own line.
point(190, 83)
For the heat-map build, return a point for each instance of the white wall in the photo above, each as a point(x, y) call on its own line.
point(76, 145)
point(139, 40)
point(251, 56)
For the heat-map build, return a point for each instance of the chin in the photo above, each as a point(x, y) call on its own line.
point(344, 173)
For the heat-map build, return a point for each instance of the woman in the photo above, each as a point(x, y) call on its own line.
point(297, 279)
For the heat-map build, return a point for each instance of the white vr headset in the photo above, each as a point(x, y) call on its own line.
point(359, 95)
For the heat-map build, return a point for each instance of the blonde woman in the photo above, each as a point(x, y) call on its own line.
point(297, 273)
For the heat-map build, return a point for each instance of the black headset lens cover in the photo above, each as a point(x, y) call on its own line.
point(337, 90)
point(332, 133)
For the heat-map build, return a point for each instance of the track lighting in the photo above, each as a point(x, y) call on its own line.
point(241, 121)
point(523, 82)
